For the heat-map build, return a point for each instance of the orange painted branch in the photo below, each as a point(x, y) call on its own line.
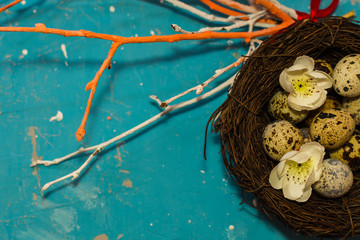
point(40, 28)
point(275, 10)
point(9, 5)
point(218, 8)
point(80, 133)
point(119, 40)
point(229, 12)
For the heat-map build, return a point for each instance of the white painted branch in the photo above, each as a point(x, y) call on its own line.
point(242, 7)
point(289, 11)
point(101, 146)
point(199, 88)
point(204, 15)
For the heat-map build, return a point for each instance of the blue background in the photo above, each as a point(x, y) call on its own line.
point(154, 184)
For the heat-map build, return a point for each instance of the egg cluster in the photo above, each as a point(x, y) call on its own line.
point(335, 125)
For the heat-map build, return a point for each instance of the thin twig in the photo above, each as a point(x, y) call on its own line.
point(199, 88)
point(9, 5)
point(101, 146)
point(80, 133)
point(238, 6)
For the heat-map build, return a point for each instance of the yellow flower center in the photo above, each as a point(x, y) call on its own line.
point(303, 85)
point(299, 172)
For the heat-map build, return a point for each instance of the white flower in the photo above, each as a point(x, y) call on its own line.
point(306, 86)
point(298, 170)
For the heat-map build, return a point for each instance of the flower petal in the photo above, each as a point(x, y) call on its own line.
point(306, 61)
point(311, 147)
point(285, 83)
point(300, 157)
point(321, 79)
point(297, 69)
point(313, 101)
point(306, 195)
point(288, 155)
point(292, 190)
point(274, 179)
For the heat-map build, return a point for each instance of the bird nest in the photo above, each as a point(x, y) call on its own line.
point(242, 118)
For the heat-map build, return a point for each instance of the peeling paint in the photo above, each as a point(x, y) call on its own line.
point(127, 183)
point(101, 237)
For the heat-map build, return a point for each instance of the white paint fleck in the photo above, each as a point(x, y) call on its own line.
point(23, 2)
point(24, 52)
point(141, 84)
point(231, 227)
point(189, 221)
point(34, 11)
point(58, 117)
point(122, 48)
point(151, 224)
point(202, 171)
point(152, 32)
point(63, 49)
point(112, 9)
point(230, 42)
point(136, 35)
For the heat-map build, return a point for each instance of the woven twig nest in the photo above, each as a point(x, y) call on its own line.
point(243, 117)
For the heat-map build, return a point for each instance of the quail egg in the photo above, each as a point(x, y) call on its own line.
point(332, 127)
point(347, 76)
point(279, 109)
point(281, 137)
point(349, 152)
point(336, 179)
point(330, 102)
point(322, 65)
point(353, 106)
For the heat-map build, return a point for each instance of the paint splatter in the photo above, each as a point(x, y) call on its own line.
point(118, 156)
point(127, 183)
point(120, 236)
point(34, 197)
point(112, 9)
point(64, 219)
point(34, 156)
point(101, 237)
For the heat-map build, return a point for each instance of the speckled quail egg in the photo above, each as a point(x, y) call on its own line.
point(349, 152)
point(322, 65)
point(330, 102)
point(353, 106)
point(336, 179)
point(332, 127)
point(279, 109)
point(347, 76)
point(281, 137)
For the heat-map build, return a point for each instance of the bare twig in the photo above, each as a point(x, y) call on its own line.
point(101, 146)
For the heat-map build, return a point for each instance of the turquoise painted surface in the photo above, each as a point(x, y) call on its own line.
point(153, 185)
